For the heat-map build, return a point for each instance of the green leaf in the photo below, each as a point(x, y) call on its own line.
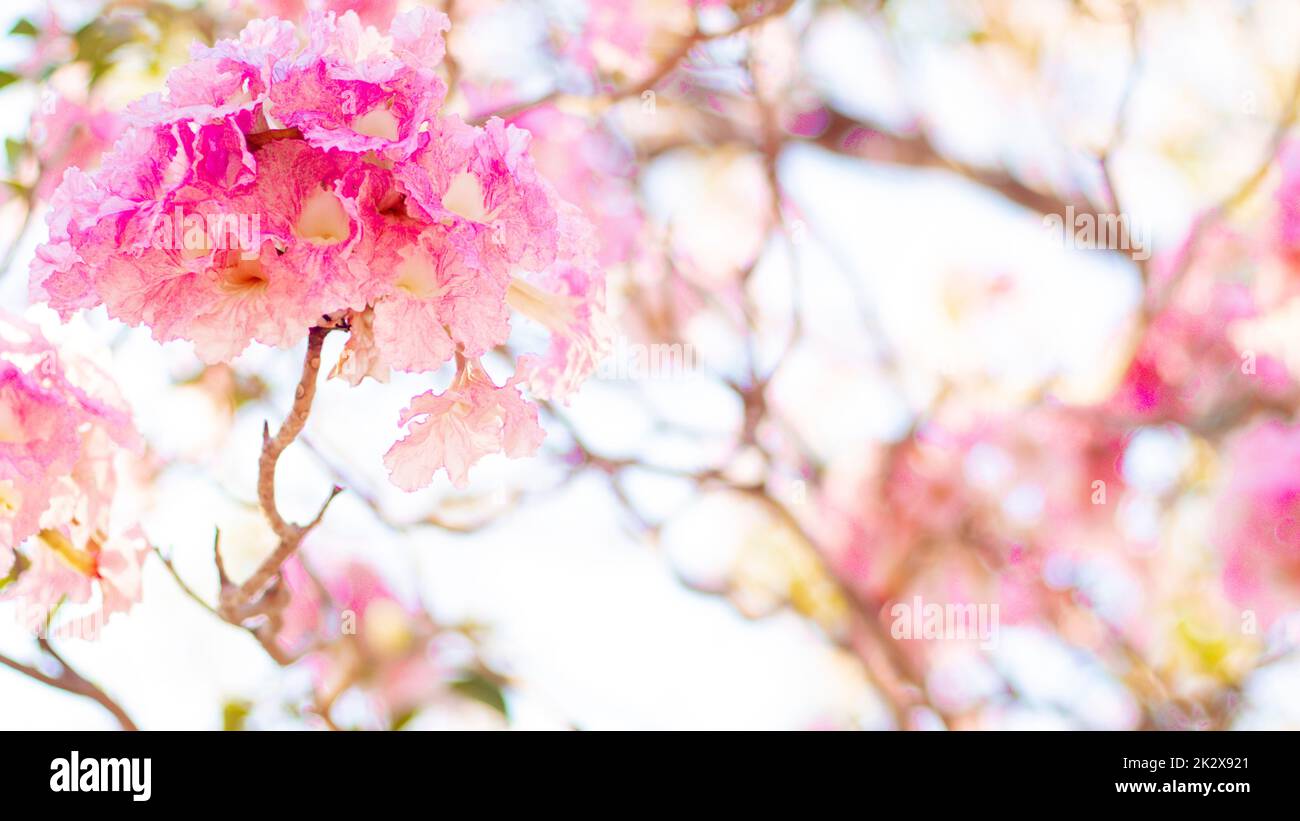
point(480, 688)
point(234, 714)
point(20, 564)
point(25, 27)
point(98, 40)
point(14, 150)
point(8, 77)
point(402, 719)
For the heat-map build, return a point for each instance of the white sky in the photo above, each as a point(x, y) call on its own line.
point(587, 617)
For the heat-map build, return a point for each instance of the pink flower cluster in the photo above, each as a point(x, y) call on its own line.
point(1257, 525)
point(62, 426)
point(1015, 493)
point(67, 132)
point(355, 631)
point(376, 212)
point(372, 12)
point(1186, 360)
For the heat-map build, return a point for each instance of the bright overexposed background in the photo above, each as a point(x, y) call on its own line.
point(590, 619)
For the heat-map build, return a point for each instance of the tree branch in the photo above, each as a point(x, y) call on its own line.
point(236, 600)
point(70, 681)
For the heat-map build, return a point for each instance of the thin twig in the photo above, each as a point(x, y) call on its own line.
point(69, 680)
point(657, 75)
point(235, 600)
